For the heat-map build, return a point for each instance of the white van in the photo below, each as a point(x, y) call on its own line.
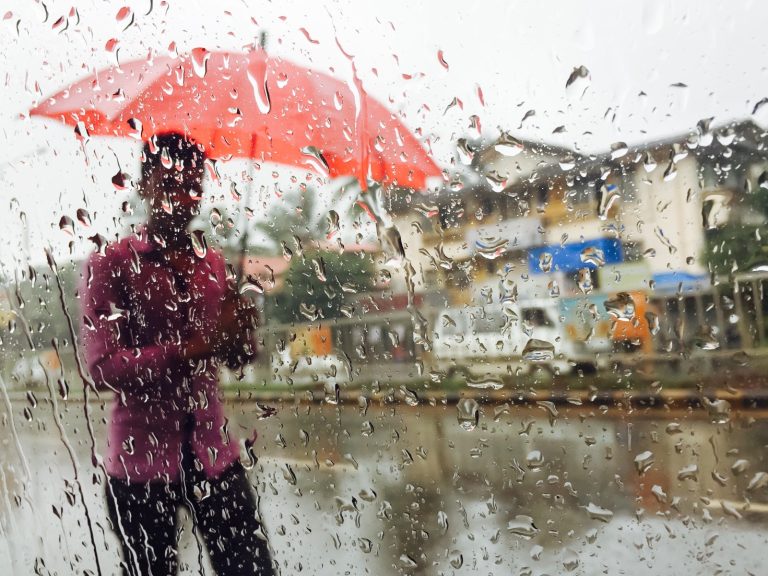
point(488, 341)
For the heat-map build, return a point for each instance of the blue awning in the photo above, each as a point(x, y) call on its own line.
point(571, 257)
point(673, 282)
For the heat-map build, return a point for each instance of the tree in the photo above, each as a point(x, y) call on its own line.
point(741, 245)
point(316, 285)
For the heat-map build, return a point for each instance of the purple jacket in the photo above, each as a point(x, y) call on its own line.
point(137, 313)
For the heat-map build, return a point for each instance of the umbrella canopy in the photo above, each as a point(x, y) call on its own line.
point(248, 105)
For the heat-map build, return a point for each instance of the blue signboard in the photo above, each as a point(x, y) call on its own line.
point(570, 257)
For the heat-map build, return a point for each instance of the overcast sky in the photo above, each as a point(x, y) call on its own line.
point(656, 68)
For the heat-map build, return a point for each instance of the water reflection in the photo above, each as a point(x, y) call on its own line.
point(390, 488)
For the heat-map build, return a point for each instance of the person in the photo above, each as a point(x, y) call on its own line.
point(159, 315)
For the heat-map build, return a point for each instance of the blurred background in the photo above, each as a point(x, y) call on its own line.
point(550, 357)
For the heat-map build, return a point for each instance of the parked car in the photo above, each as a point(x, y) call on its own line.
point(495, 341)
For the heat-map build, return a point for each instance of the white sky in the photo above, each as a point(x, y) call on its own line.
point(519, 53)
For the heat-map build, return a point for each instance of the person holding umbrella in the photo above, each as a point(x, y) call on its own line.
point(159, 315)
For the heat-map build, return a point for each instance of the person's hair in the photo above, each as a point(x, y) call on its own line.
point(169, 149)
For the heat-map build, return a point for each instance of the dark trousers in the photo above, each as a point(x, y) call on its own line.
point(223, 511)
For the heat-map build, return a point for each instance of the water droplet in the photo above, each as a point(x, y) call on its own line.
point(123, 13)
point(465, 151)
point(409, 396)
point(659, 493)
point(442, 521)
point(508, 145)
point(496, 181)
point(740, 466)
point(726, 136)
point(609, 196)
point(287, 252)
point(289, 475)
point(671, 172)
point(332, 392)
point(316, 160)
point(545, 261)
point(550, 408)
point(468, 413)
point(100, 243)
point(654, 325)
point(534, 459)
point(200, 57)
point(592, 255)
point(365, 545)
point(83, 217)
point(81, 131)
point(578, 81)
point(257, 76)
point(584, 281)
point(570, 560)
point(212, 169)
point(673, 428)
point(441, 59)
point(759, 480)
point(199, 244)
point(618, 149)
point(485, 383)
point(706, 338)
point(215, 217)
point(63, 388)
point(262, 411)
point(719, 410)
point(567, 162)
point(318, 265)
point(523, 526)
point(690, 472)
point(165, 158)
point(538, 350)
point(392, 243)
point(621, 306)
point(309, 311)
point(251, 286)
point(598, 513)
point(120, 181)
point(730, 509)
point(491, 248)
point(643, 461)
point(67, 225)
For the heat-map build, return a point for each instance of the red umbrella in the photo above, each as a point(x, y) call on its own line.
point(248, 105)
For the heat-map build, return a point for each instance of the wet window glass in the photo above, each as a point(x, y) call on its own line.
point(411, 288)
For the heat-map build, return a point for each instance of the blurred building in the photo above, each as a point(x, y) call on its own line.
point(644, 210)
point(564, 225)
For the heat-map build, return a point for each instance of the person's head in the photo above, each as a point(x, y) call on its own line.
point(172, 172)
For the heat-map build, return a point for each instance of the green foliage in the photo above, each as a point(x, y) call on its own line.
point(304, 286)
point(735, 247)
point(738, 246)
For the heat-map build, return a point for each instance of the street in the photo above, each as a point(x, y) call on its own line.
point(393, 488)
